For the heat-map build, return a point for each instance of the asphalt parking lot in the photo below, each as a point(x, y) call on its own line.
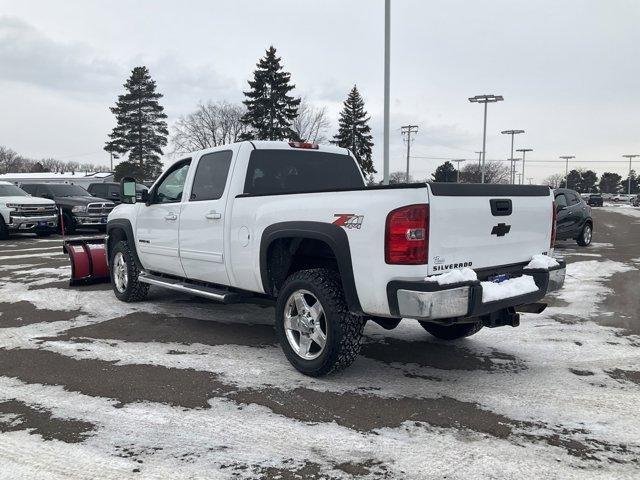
point(181, 387)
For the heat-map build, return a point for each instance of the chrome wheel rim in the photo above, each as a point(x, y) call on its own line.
point(120, 272)
point(305, 324)
point(587, 234)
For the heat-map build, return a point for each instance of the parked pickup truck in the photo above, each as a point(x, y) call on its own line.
point(22, 213)
point(295, 222)
point(79, 208)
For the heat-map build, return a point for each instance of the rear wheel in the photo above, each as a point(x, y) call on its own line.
point(313, 324)
point(452, 332)
point(586, 235)
point(125, 273)
point(67, 225)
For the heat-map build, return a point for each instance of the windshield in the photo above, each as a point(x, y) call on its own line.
point(11, 191)
point(68, 191)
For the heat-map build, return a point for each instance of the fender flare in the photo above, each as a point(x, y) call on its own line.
point(334, 236)
point(125, 225)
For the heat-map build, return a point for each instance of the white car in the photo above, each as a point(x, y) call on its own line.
point(22, 213)
point(294, 222)
point(622, 197)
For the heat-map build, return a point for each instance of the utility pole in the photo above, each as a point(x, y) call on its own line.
point(630, 157)
point(519, 177)
point(512, 133)
point(479, 159)
point(530, 180)
point(387, 78)
point(408, 130)
point(485, 99)
point(566, 158)
point(459, 161)
point(524, 151)
point(111, 160)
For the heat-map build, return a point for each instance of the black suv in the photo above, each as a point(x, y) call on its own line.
point(574, 217)
point(79, 208)
point(111, 191)
point(595, 200)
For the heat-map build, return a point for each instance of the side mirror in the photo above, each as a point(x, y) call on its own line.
point(128, 190)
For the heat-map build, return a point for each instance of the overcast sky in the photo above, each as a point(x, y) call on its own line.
point(568, 70)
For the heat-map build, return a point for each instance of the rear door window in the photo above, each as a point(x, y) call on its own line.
point(211, 176)
point(572, 198)
point(296, 171)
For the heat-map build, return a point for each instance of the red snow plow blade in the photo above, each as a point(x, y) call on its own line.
point(88, 260)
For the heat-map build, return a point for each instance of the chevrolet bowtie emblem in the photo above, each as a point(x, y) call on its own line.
point(500, 229)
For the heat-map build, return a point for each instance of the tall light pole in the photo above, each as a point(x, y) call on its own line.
point(512, 162)
point(566, 158)
point(408, 130)
point(630, 157)
point(387, 75)
point(513, 133)
point(524, 151)
point(459, 161)
point(485, 99)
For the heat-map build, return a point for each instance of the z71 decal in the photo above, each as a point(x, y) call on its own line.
point(348, 220)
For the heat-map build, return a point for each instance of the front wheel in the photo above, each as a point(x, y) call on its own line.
point(317, 332)
point(452, 332)
point(125, 273)
point(586, 235)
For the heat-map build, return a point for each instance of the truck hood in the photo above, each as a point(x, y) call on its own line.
point(23, 200)
point(80, 200)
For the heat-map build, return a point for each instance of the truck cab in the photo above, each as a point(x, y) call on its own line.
point(23, 213)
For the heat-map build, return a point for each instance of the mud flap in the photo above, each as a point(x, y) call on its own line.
point(88, 258)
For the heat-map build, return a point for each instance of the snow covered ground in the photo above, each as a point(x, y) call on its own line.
point(178, 387)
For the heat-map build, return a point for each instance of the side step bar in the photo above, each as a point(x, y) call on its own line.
point(217, 294)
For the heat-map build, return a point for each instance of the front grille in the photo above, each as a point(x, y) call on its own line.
point(99, 208)
point(34, 210)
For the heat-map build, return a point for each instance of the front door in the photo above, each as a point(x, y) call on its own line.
point(202, 220)
point(158, 223)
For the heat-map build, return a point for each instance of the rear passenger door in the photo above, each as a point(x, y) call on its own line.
point(202, 220)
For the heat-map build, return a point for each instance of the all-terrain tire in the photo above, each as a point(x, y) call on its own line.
point(585, 237)
point(69, 225)
point(135, 290)
point(344, 329)
point(452, 332)
point(4, 231)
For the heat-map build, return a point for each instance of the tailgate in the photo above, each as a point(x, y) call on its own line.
point(484, 225)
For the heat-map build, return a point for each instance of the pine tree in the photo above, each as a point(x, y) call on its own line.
point(141, 129)
point(445, 173)
point(270, 108)
point(354, 132)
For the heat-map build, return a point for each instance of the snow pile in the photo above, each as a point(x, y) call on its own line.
point(454, 276)
point(542, 261)
point(509, 288)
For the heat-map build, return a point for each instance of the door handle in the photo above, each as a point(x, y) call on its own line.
point(213, 215)
point(171, 216)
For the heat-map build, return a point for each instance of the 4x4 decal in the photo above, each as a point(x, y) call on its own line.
point(348, 220)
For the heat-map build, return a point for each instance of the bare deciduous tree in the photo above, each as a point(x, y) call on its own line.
point(399, 177)
point(210, 125)
point(311, 124)
point(554, 180)
point(10, 161)
point(495, 172)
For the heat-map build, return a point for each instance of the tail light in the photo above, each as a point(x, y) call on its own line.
point(308, 145)
point(554, 221)
point(407, 235)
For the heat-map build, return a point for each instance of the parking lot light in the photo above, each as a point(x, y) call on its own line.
point(630, 157)
point(566, 158)
point(485, 99)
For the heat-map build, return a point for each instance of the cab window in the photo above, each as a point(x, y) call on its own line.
point(211, 176)
point(561, 200)
point(572, 198)
point(170, 188)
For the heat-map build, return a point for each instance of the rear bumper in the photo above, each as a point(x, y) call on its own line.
point(30, 224)
point(431, 301)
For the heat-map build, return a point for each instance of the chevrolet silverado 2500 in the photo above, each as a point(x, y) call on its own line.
point(295, 222)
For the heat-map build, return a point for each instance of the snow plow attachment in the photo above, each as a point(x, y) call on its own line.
point(88, 260)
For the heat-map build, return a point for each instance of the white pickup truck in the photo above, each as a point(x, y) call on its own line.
point(22, 213)
point(295, 222)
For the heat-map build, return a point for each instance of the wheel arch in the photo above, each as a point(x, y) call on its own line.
point(286, 241)
point(120, 229)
